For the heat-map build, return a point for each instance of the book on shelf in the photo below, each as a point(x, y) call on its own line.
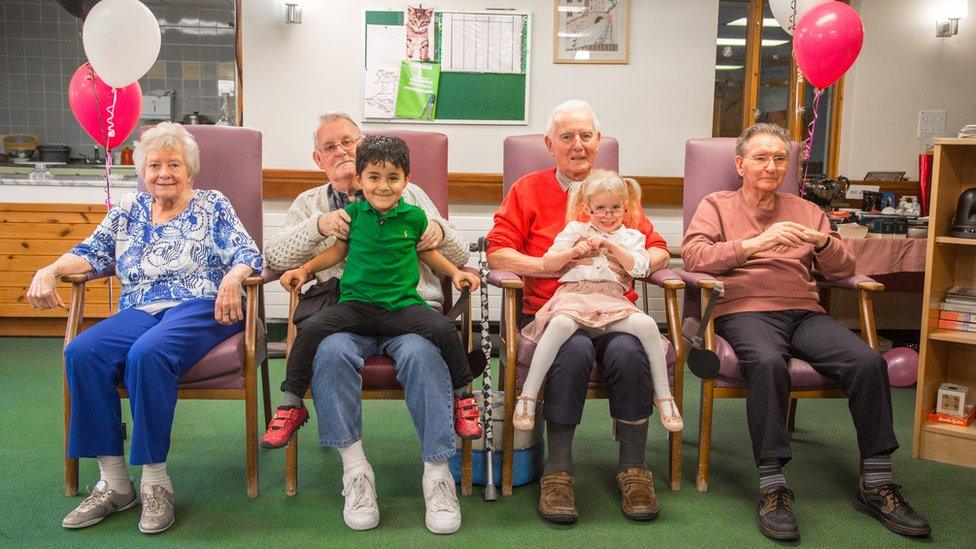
point(961, 307)
point(961, 294)
point(963, 421)
point(957, 316)
point(957, 326)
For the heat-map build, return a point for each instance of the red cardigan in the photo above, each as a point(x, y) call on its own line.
point(531, 215)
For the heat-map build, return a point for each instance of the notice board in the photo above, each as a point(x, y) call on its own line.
point(484, 65)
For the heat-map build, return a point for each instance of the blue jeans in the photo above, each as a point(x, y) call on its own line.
point(337, 383)
point(148, 353)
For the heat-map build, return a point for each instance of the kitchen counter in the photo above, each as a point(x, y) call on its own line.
point(62, 189)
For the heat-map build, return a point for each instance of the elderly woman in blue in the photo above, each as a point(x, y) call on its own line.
point(181, 255)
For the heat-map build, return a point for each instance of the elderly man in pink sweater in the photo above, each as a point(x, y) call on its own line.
point(765, 247)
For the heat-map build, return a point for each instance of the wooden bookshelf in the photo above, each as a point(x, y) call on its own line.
point(946, 355)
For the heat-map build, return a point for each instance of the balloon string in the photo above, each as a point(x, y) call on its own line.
point(792, 16)
point(808, 144)
point(108, 150)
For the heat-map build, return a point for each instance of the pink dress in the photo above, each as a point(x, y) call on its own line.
point(592, 295)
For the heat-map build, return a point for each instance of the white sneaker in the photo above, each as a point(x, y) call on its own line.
point(443, 511)
point(360, 511)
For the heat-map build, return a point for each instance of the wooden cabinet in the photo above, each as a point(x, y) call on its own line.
point(946, 355)
point(32, 236)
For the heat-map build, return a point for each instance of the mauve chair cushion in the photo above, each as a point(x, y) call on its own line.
point(378, 373)
point(597, 381)
point(223, 367)
point(802, 375)
point(428, 162)
point(524, 154)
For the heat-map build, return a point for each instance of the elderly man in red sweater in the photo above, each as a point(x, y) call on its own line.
point(532, 214)
point(765, 246)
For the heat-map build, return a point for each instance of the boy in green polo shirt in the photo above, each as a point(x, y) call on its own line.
point(378, 287)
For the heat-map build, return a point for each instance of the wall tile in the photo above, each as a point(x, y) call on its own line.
point(41, 47)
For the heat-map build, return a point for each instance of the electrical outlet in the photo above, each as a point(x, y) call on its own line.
point(931, 123)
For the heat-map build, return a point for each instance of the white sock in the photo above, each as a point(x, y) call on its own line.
point(437, 469)
point(154, 474)
point(114, 474)
point(353, 457)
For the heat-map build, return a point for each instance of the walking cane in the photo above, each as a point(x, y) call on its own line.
point(490, 494)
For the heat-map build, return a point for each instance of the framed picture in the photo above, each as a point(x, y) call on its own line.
point(884, 176)
point(591, 31)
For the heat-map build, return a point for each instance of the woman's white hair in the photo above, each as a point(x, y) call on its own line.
point(167, 135)
point(571, 106)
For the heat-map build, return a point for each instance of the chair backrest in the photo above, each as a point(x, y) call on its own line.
point(428, 162)
point(230, 162)
point(710, 167)
point(428, 170)
point(524, 154)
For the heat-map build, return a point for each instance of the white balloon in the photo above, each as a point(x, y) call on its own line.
point(121, 39)
point(783, 11)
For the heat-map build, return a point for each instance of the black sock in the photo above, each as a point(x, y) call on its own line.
point(770, 474)
point(463, 392)
point(559, 439)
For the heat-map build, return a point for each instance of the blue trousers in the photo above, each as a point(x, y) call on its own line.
point(337, 383)
point(148, 353)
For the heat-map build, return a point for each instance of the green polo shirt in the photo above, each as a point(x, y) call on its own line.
point(382, 265)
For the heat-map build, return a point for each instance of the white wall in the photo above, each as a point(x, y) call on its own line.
point(904, 68)
point(663, 97)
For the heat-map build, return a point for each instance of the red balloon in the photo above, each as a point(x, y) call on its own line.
point(91, 101)
point(826, 42)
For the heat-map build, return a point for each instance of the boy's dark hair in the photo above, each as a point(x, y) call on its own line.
point(377, 149)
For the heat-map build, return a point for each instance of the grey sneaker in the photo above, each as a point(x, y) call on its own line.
point(99, 504)
point(158, 512)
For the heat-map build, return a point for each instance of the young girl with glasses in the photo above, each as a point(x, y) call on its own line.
point(591, 296)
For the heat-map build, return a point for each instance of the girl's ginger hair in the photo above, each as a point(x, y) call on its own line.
point(605, 181)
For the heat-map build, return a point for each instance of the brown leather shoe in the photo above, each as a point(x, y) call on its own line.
point(637, 501)
point(556, 498)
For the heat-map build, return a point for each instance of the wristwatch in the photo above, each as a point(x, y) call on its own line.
point(818, 249)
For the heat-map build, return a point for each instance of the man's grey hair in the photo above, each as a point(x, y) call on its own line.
point(570, 106)
point(332, 116)
point(169, 135)
point(761, 128)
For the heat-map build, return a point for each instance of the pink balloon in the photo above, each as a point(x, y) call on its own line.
point(902, 366)
point(826, 42)
point(91, 102)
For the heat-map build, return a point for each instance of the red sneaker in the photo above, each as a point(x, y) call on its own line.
point(283, 425)
point(467, 418)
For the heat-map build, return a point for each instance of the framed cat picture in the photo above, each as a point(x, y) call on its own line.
point(591, 31)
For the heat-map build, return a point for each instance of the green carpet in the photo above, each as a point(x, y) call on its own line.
point(207, 466)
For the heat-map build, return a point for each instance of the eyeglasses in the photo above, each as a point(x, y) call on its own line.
point(601, 211)
point(762, 160)
point(584, 136)
point(347, 144)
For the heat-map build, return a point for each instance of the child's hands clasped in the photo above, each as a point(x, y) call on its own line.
point(294, 278)
point(463, 276)
point(582, 248)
